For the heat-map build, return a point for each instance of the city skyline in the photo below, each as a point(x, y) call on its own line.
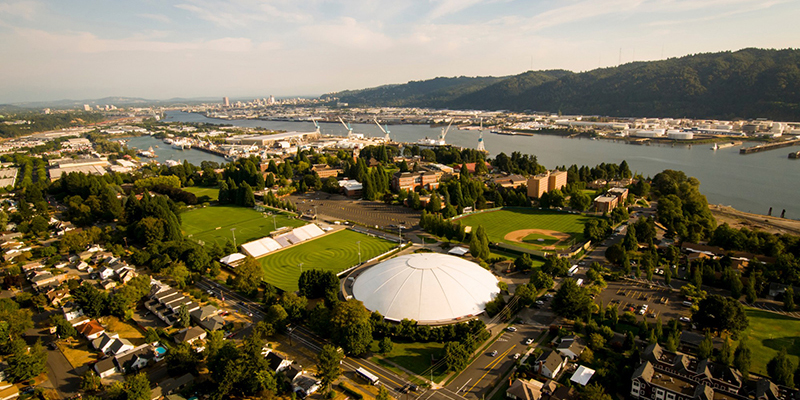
point(249, 48)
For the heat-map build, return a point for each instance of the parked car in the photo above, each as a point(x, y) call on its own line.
point(529, 341)
point(684, 319)
point(493, 353)
point(511, 329)
point(516, 356)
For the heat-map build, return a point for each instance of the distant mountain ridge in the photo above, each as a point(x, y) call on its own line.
point(749, 83)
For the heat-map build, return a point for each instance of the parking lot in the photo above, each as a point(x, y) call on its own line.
point(369, 213)
point(630, 296)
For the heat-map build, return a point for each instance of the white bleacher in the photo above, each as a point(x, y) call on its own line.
point(266, 245)
point(255, 249)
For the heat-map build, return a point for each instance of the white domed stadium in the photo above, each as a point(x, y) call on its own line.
point(429, 288)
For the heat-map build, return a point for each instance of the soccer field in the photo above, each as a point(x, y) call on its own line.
point(334, 252)
point(499, 224)
point(202, 224)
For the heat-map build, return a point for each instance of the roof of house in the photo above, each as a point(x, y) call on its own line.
point(91, 328)
point(189, 334)
point(204, 312)
point(106, 364)
point(305, 382)
point(550, 360)
point(574, 346)
point(525, 389)
point(292, 371)
point(582, 375)
point(119, 344)
point(274, 359)
point(213, 323)
point(644, 371)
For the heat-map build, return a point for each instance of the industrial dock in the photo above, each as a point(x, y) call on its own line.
point(768, 146)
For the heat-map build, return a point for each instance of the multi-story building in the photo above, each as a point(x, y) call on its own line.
point(666, 375)
point(412, 180)
point(538, 185)
point(604, 204)
point(550, 180)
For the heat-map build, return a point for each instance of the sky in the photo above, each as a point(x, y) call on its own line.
point(161, 49)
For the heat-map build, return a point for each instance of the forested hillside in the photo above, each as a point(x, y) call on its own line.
point(749, 83)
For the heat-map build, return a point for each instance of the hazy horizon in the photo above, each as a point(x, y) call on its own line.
point(91, 49)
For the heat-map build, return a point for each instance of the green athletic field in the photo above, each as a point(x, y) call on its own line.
point(501, 222)
point(202, 224)
point(334, 252)
point(203, 194)
point(767, 334)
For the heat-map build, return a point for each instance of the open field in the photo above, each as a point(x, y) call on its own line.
point(415, 357)
point(213, 224)
point(767, 334)
point(125, 330)
point(334, 252)
point(499, 224)
point(77, 351)
point(210, 194)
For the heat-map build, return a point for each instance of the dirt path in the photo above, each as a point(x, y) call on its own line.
point(740, 219)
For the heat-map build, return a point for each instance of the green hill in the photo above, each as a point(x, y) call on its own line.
point(748, 83)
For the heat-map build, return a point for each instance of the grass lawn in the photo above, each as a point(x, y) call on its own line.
point(540, 239)
point(415, 357)
point(203, 194)
point(125, 330)
point(213, 224)
point(334, 252)
point(77, 352)
point(767, 334)
point(499, 223)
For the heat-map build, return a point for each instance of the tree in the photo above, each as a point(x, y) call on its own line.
point(788, 299)
point(750, 293)
point(721, 314)
point(383, 394)
point(328, 365)
point(742, 358)
point(630, 242)
point(523, 263)
point(594, 391)
point(137, 387)
point(63, 328)
point(91, 382)
point(351, 327)
point(705, 348)
point(26, 362)
point(456, 356)
point(580, 201)
point(596, 341)
point(726, 353)
point(541, 280)
point(385, 346)
point(182, 359)
point(781, 369)
point(571, 300)
point(248, 275)
point(183, 320)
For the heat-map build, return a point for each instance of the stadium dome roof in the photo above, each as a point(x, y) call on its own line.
point(427, 287)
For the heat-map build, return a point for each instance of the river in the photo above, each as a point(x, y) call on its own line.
point(166, 152)
point(752, 183)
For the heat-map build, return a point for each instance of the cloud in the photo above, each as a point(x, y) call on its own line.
point(157, 17)
point(447, 7)
point(20, 9)
point(242, 13)
point(347, 32)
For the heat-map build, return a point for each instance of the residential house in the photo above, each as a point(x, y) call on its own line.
point(530, 389)
point(277, 362)
point(304, 384)
point(172, 385)
point(44, 279)
point(32, 266)
point(103, 341)
point(108, 284)
point(127, 275)
point(208, 318)
point(71, 311)
point(56, 297)
point(105, 367)
point(91, 330)
point(549, 364)
point(135, 359)
point(190, 335)
point(571, 347)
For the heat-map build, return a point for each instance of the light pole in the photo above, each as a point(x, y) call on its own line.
point(315, 211)
point(234, 236)
point(400, 232)
point(274, 223)
point(301, 268)
point(359, 251)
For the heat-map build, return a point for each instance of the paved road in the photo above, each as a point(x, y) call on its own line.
point(62, 376)
point(479, 378)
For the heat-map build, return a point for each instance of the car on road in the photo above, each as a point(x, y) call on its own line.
point(516, 356)
point(493, 353)
point(210, 292)
point(52, 346)
point(548, 296)
point(529, 341)
point(511, 329)
point(539, 303)
point(685, 319)
point(581, 262)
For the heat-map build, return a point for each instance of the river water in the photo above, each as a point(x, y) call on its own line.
point(752, 183)
point(166, 152)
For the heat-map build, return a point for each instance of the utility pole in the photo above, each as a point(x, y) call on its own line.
point(359, 251)
point(274, 223)
point(234, 236)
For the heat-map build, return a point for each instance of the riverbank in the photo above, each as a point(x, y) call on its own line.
point(740, 219)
